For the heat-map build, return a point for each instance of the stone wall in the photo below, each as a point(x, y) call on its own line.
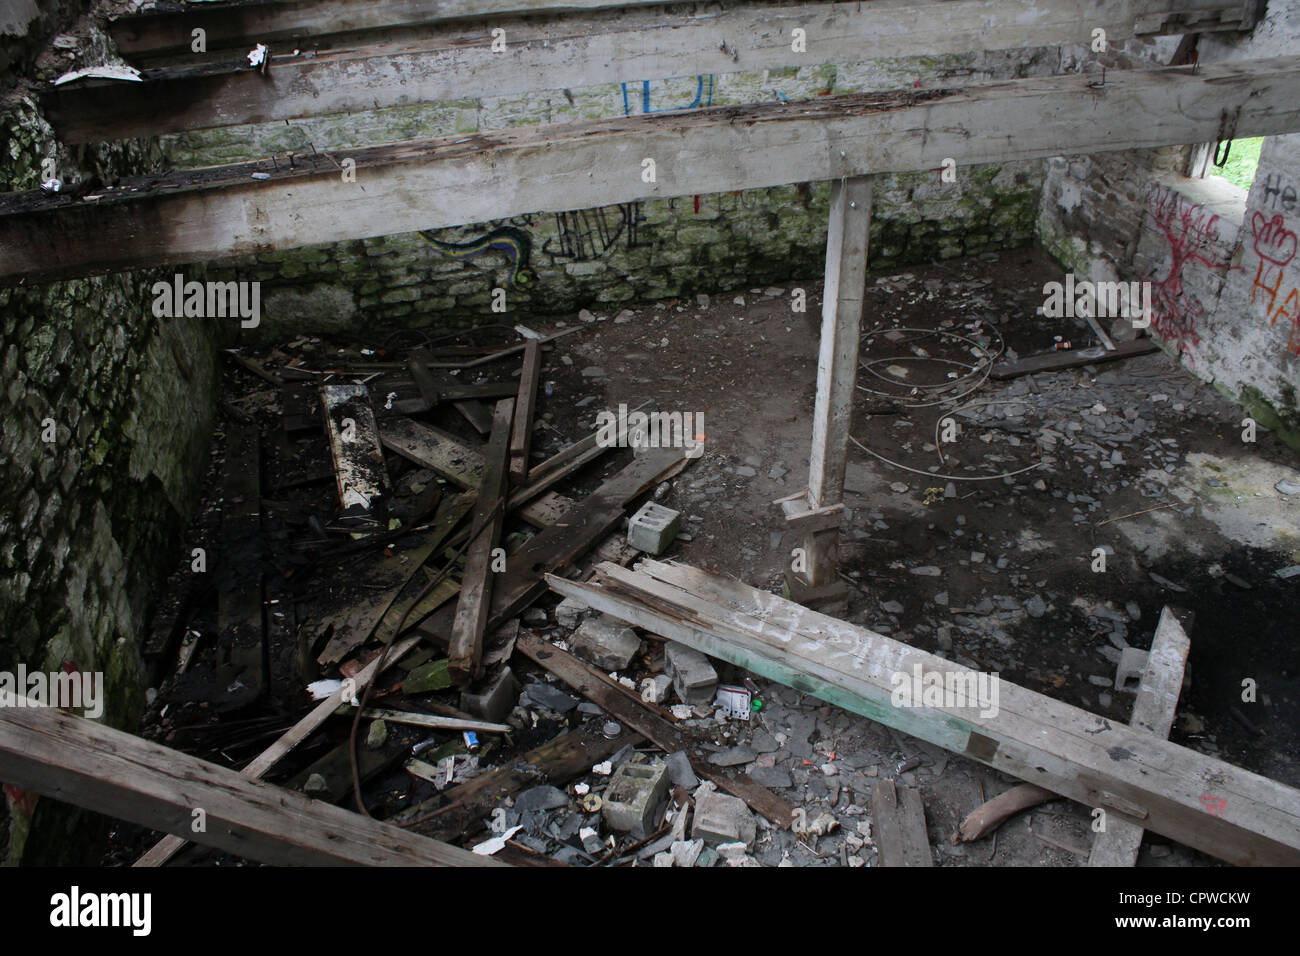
point(599, 258)
point(105, 419)
point(1221, 263)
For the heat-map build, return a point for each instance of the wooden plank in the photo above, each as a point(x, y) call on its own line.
point(361, 474)
point(465, 650)
point(521, 438)
point(477, 413)
point(557, 761)
point(457, 62)
point(837, 368)
point(301, 22)
point(431, 720)
point(1072, 358)
point(241, 625)
point(1198, 800)
point(169, 846)
point(898, 822)
point(1153, 712)
point(557, 547)
point(623, 705)
point(84, 763)
point(444, 453)
point(222, 211)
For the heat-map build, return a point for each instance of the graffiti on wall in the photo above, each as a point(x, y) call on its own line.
point(510, 240)
point(671, 93)
point(1275, 245)
point(592, 233)
point(1192, 233)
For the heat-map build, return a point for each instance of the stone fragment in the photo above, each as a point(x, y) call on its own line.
point(605, 643)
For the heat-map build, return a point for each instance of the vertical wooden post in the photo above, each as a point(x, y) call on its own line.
point(837, 375)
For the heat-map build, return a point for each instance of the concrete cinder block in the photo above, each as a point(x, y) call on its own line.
point(653, 528)
point(721, 818)
point(636, 792)
point(606, 644)
point(495, 699)
point(1132, 665)
point(694, 678)
point(569, 612)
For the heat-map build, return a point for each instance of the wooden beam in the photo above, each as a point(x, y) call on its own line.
point(169, 846)
point(1153, 712)
point(1134, 775)
point(84, 763)
point(237, 23)
point(222, 211)
point(465, 649)
point(451, 458)
point(837, 368)
point(457, 61)
point(557, 547)
point(521, 437)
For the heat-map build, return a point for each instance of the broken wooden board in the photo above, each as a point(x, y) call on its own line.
point(220, 212)
point(379, 584)
point(464, 807)
point(241, 671)
point(361, 474)
point(625, 706)
point(521, 438)
point(557, 547)
point(432, 381)
point(569, 51)
point(1072, 358)
point(469, 627)
point(462, 465)
point(84, 763)
point(1153, 712)
point(898, 825)
point(169, 846)
point(1190, 797)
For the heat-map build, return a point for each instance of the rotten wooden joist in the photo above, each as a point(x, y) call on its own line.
point(221, 211)
point(1153, 712)
point(465, 649)
point(84, 763)
point(521, 437)
point(305, 22)
point(561, 52)
point(1133, 775)
point(169, 846)
point(361, 475)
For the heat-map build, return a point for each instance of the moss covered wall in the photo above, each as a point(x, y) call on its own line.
point(90, 520)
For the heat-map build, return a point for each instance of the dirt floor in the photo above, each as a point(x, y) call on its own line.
point(1136, 458)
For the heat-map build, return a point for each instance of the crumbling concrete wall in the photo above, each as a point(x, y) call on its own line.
point(105, 420)
point(1221, 262)
point(599, 258)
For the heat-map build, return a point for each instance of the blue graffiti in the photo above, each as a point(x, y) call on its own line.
point(703, 96)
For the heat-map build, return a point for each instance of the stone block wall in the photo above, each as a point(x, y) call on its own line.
point(105, 420)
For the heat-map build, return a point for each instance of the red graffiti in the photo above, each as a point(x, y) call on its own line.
point(1275, 245)
point(1214, 805)
point(21, 802)
point(1192, 233)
